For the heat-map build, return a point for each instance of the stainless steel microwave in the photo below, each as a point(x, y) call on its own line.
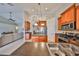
point(70, 26)
point(65, 27)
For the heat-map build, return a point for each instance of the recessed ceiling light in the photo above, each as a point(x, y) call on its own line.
point(36, 24)
point(32, 9)
point(42, 24)
point(16, 27)
point(46, 8)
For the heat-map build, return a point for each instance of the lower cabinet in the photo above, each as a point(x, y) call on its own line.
point(39, 38)
point(27, 35)
point(35, 39)
point(56, 38)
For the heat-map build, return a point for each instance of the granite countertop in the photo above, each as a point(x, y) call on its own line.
point(39, 35)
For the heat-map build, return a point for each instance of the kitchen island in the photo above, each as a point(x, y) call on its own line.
point(39, 38)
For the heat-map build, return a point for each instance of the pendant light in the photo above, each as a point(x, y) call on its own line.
point(40, 10)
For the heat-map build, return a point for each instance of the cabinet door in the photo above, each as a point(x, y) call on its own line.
point(63, 19)
point(42, 23)
point(35, 38)
point(59, 23)
point(39, 38)
point(27, 25)
point(43, 39)
point(68, 15)
point(77, 17)
point(56, 38)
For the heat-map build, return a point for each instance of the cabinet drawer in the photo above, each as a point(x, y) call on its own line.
point(39, 39)
point(35, 39)
point(42, 39)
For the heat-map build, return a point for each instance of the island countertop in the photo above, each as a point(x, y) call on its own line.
point(39, 35)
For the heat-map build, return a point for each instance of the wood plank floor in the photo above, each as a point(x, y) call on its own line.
point(32, 49)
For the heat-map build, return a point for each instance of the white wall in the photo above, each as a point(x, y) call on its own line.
point(6, 27)
point(20, 25)
point(52, 28)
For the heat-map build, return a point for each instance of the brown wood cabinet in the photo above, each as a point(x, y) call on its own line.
point(67, 17)
point(39, 38)
point(56, 38)
point(35, 39)
point(70, 15)
point(77, 18)
point(42, 38)
point(59, 23)
point(42, 23)
point(27, 25)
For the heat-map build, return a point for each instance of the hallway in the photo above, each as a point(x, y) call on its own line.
point(32, 49)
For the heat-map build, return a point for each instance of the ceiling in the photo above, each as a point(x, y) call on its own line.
point(18, 9)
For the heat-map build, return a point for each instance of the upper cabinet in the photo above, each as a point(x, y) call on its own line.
point(77, 17)
point(27, 25)
point(67, 19)
point(42, 23)
point(59, 23)
point(68, 15)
